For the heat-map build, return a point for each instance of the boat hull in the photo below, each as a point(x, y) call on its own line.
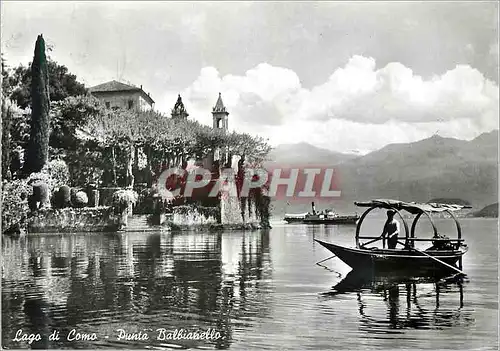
point(395, 260)
point(338, 220)
point(293, 220)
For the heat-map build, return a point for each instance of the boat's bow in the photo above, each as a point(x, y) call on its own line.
point(335, 249)
point(353, 257)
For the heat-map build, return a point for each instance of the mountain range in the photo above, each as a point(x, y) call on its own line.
point(435, 167)
point(306, 154)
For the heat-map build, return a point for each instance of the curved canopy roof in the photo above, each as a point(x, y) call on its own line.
point(412, 207)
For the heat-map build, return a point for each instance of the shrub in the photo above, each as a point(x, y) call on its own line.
point(72, 195)
point(40, 191)
point(123, 199)
point(40, 197)
point(65, 192)
point(54, 174)
point(40, 177)
point(80, 200)
point(93, 195)
point(145, 200)
point(58, 172)
point(15, 205)
point(55, 200)
point(62, 197)
point(263, 207)
point(190, 209)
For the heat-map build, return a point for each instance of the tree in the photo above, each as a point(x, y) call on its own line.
point(62, 84)
point(121, 135)
point(15, 127)
point(38, 146)
point(7, 113)
point(68, 116)
point(115, 132)
point(70, 142)
point(7, 79)
point(6, 124)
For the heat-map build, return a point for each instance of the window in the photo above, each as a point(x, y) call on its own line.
point(130, 104)
point(107, 104)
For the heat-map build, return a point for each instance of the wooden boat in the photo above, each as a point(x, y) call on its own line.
point(444, 254)
point(322, 217)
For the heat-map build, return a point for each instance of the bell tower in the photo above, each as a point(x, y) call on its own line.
point(219, 115)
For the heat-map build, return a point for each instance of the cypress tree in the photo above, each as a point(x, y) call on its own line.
point(38, 146)
point(6, 138)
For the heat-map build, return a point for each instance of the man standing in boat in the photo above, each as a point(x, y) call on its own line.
point(391, 230)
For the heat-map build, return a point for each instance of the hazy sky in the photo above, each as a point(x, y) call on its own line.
point(344, 76)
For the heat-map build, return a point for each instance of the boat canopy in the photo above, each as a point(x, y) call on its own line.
point(411, 207)
point(417, 209)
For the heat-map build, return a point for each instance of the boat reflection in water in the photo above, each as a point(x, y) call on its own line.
point(420, 303)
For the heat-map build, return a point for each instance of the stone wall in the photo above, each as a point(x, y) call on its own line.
point(190, 215)
point(95, 219)
point(203, 218)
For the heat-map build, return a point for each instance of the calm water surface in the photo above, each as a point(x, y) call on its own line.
point(259, 290)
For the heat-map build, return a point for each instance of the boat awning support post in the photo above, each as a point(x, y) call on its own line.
point(414, 226)
point(358, 227)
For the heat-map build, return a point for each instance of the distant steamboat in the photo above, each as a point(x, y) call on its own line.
point(322, 217)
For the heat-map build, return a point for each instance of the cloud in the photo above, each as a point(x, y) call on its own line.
point(359, 92)
point(251, 107)
point(264, 95)
point(359, 107)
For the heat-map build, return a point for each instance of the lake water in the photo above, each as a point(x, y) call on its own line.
point(257, 290)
